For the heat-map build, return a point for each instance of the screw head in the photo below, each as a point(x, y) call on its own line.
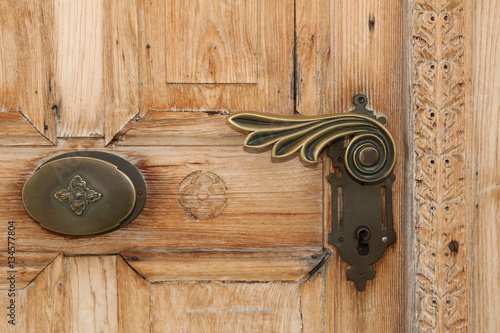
point(368, 156)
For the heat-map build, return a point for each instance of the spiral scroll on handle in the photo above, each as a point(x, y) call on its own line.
point(370, 155)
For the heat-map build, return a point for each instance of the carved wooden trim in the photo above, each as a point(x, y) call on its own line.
point(441, 189)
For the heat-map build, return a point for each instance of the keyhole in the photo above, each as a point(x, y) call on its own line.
point(363, 235)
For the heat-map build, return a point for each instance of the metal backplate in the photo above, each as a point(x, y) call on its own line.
point(362, 225)
point(84, 193)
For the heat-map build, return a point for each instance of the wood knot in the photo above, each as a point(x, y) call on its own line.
point(202, 195)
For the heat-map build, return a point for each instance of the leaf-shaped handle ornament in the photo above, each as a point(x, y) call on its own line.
point(370, 155)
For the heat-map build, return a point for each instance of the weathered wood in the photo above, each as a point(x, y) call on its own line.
point(160, 128)
point(224, 266)
point(215, 307)
point(16, 130)
point(217, 44)
point(46, 309)
point(484, 59)
point(269, 206)
point(442, 184)
point(26, 63)
point(121, 65)
point(21, 313)
point(256, 77)
point(79, 63)
point(27, 266)
point(133, 300)
point(90, 299)
point(346, 48)
point(313, 303)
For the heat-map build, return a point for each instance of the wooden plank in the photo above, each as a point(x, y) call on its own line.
point(346, 48)
point(16, 130)
point(215, 307)
point(27, 70)
point(313, 303)
point(485, 123)
point(217, 44)
point(268, 205)
point(121, 65)
point(46, 310)
point(133, 300)
point(91, 294)
point(79, 50)
point(27, 266)
point(224, 266)
point(160, 128)
point(442, 195)
point(313, 67)
point(9, 88)
point(20, 317)
point(270, 47)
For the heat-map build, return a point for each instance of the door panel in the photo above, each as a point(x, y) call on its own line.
point(153, 82)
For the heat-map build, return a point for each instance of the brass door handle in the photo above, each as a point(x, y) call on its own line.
point(362, 225)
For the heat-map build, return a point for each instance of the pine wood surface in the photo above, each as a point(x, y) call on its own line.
point(224, 266)
point(345, 48)
point(485, 122)
point(16, 130)
point(26, 65)
point(107, 69)
point(258, 77)
point(27, 267)
point(442, 278)
point(267, 208)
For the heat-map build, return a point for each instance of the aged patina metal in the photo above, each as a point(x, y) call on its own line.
point(84, 193)
point(363, 153)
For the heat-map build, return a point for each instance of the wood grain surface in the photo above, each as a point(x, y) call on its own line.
point(484, 115)
point(269, 206)
point(224, 266)
point(442, 188)
point(79, 61)
point(258, 77)
point(234, 307)
point(346, 48)
point(27, 65)
point(27, 266)
point(17, 130)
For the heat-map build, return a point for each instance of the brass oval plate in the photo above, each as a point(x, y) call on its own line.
point(84, 193)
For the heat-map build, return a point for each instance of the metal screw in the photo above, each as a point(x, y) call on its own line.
point(361, 99)
point(384, 239)
point(453, 246)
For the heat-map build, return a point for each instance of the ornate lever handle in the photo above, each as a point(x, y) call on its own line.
point(370, 155)
point(362, 203)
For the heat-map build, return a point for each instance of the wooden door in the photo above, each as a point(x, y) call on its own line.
point(230, 240)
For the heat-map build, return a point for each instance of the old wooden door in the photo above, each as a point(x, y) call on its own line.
point(230, 240)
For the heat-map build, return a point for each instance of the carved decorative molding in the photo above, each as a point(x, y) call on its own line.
point(442, 276)
point(202, 195)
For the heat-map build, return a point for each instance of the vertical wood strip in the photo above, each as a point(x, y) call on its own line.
point(121, 65)
point(46, 301)
point(441, 171)
point(91, 294)
point(345, 48)
point(26, 63)
point(78, 35)
point(133, 300)
point(485, 47)
point(313, 303)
